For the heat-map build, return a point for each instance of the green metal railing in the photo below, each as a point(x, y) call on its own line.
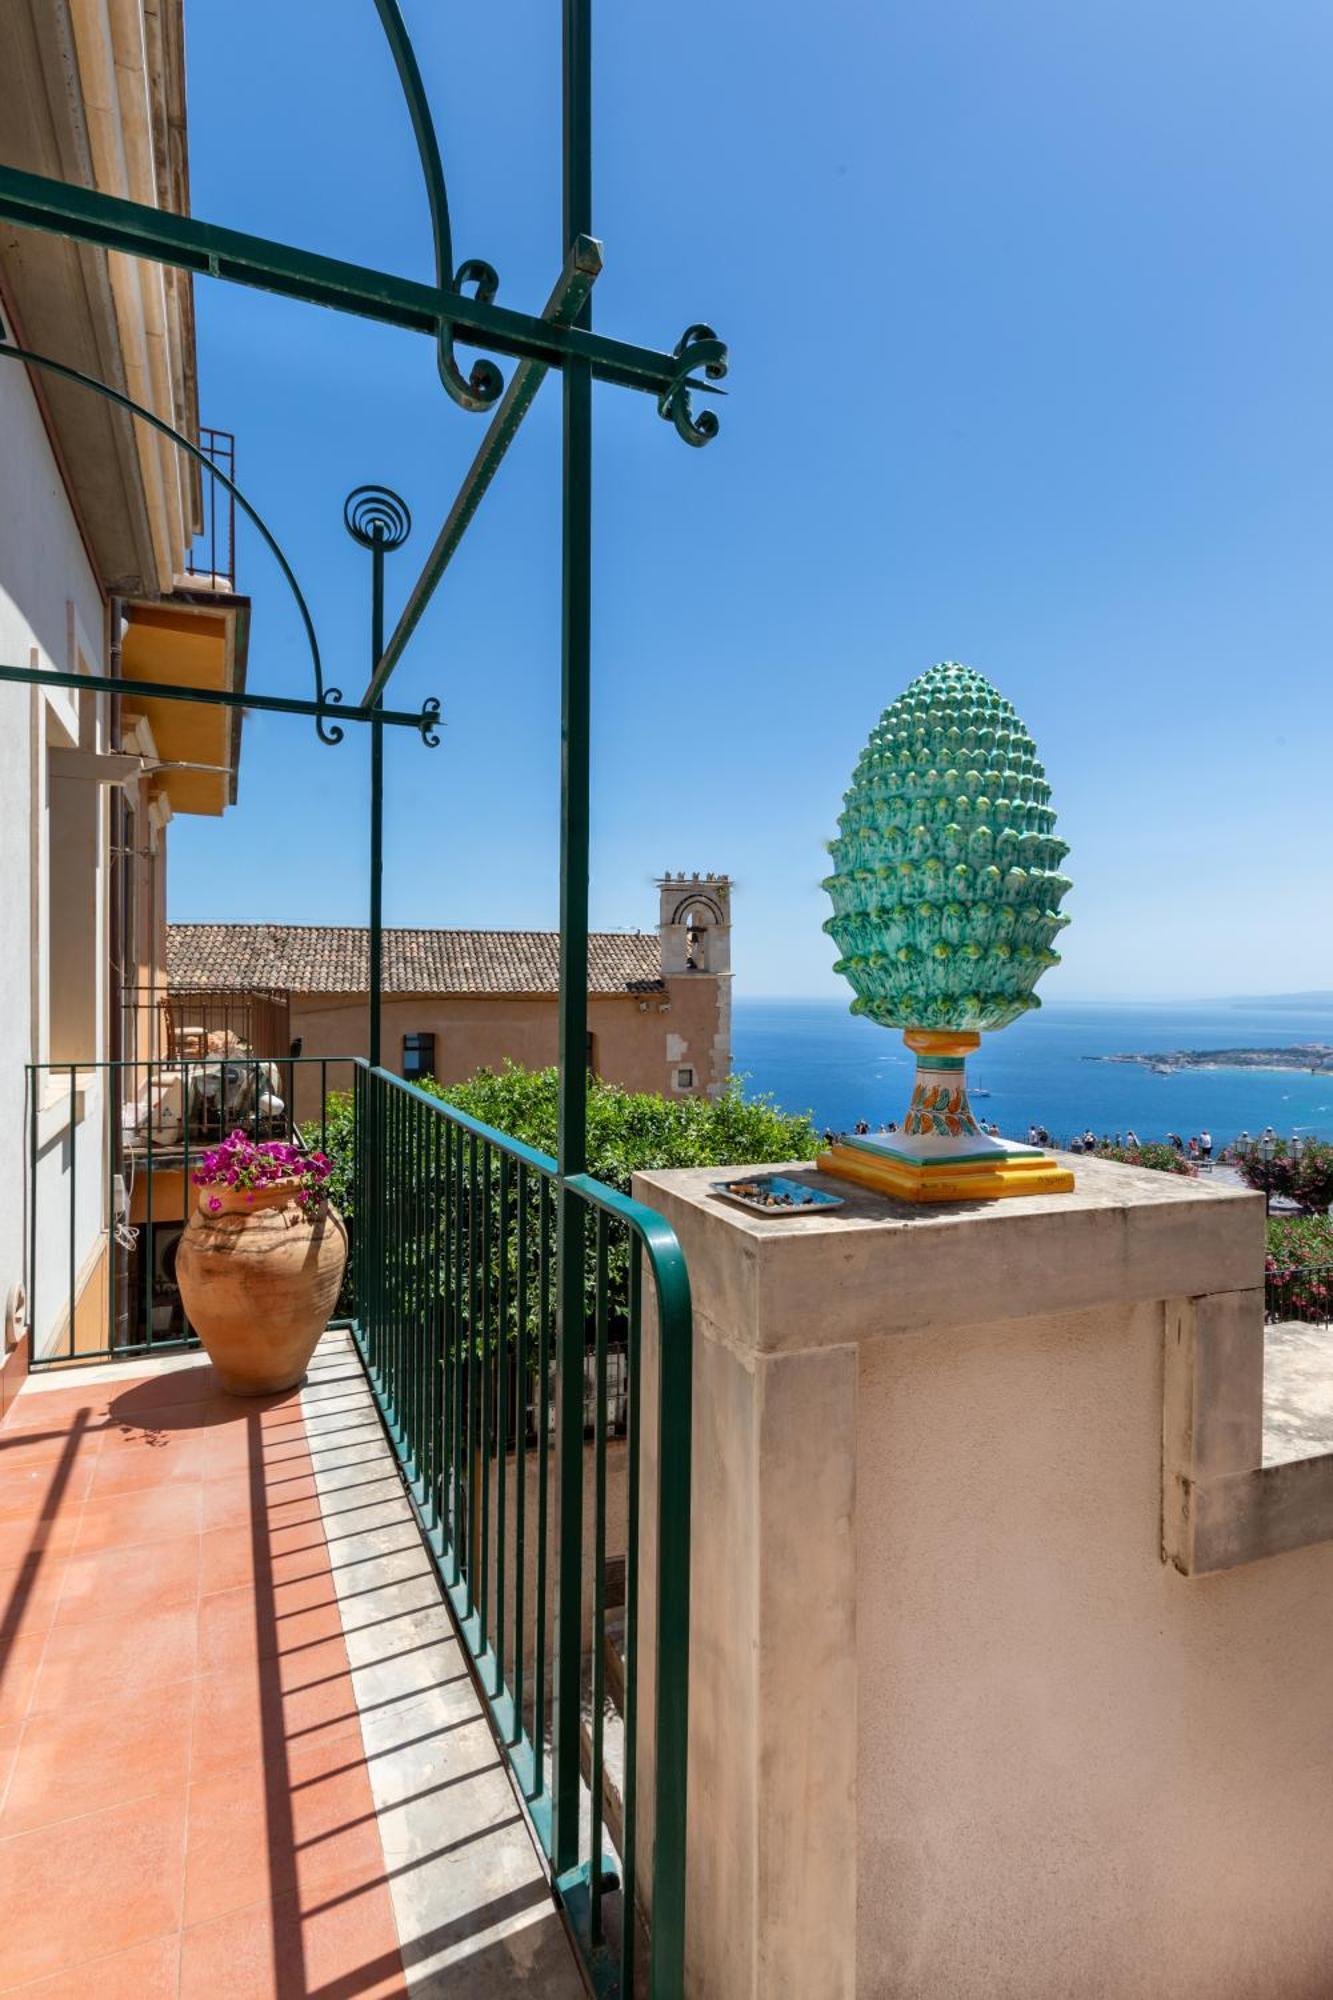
point(456, 1252)
point(442, 1309)
point(110, 1150)
point(513, 1393)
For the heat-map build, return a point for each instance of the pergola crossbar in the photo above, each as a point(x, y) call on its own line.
point(211, 250)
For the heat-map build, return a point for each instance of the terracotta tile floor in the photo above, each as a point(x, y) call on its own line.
point(185, 1808)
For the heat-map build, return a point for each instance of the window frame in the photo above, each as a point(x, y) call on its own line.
point(420, 1042)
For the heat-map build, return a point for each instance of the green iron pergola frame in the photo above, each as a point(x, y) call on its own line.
point(460, 307)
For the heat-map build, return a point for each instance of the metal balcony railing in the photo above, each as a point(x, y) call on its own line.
point(454, 1273)
point(521, 1438)
point(212, 554)
point(207, 1020)
point(111, 1147)
point(1300, 1293)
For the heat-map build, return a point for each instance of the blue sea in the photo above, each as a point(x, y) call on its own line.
point(812, 1055)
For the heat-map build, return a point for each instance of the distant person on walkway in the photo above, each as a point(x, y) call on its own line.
point(892, 1125)
point(1034, 1137)
point(1076, 1143)
point(862, 1127)
point(1174, 1139)
point(1132, 1141)
point(1089, 1141)
point(1206, 1145)
point(1193, 1148)
point(1119, 1142)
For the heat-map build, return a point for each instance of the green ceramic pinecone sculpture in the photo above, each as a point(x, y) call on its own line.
point(946, 893)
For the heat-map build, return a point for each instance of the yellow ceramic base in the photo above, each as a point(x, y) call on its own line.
point(948, 1180)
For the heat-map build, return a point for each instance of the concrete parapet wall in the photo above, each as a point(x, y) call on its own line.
point(959, 1724)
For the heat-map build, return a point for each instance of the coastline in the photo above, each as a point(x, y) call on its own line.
point(1052, 1068)
point(1239, 1061)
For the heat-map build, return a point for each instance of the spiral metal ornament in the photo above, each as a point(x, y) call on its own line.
point(333, 733)
point(481, 389)
point(698, 347)
point(430, 716)
point(377, 517)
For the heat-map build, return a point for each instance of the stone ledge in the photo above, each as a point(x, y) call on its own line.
point(879, 1267)
point(1222, 1506)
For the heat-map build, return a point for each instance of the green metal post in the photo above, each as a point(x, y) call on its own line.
point(574, 787)
point(376, 798)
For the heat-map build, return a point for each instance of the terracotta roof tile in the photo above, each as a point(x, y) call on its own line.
point(332, 958)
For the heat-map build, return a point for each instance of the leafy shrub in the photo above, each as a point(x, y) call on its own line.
point(633, 1132)
point(1301, 1173)
point(629, 1132)
point(1299, 1239)
point(1165, 1159)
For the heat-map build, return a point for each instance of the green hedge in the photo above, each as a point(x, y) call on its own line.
point(629, 1132)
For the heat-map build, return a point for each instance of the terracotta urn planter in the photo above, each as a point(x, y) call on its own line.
point(259, 1272)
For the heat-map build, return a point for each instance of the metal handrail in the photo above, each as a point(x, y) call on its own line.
point(457, 1242)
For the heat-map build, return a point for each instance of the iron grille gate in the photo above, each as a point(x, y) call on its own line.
point(578, 1219)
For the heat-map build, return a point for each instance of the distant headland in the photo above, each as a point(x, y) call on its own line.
point(1293, 1003)
point(1314, 1058)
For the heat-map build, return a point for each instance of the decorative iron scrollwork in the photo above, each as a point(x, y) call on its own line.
point(323, 695)
point(430, 716)
point(333, 734)
point(698, 347)
point(482, 387)
point(377, 517)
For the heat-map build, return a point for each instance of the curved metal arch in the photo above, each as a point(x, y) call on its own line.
point(699, 902)
point(326, 696)
point(481, 389)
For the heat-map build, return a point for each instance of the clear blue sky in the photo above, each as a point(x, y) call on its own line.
point(1031, 314)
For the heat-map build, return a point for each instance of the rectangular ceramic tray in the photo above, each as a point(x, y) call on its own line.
point(807, 1199)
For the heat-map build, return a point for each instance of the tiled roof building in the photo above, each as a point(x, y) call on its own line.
point(333, 958)
point(454, 1002)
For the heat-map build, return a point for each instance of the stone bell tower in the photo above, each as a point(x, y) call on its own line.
point(694, 925)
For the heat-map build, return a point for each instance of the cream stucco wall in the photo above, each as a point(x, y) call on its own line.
point(639, 1041)
point(51, 614)
point(1079, 1772)
point(957, 1728)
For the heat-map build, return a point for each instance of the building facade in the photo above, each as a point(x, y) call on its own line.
point(659, 1002)
point(100, 574)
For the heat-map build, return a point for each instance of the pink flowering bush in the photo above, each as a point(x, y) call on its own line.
point(251, 1165)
